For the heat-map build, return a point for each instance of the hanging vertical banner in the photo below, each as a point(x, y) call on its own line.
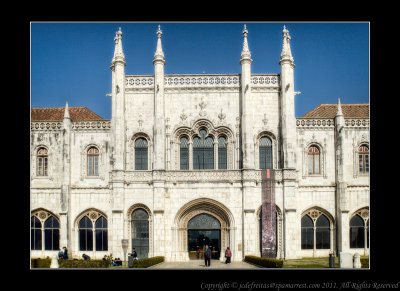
point(268, 214)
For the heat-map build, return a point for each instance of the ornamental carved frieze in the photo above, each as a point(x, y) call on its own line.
point(224, 176)
point(289, 174)
point(91, 125)
point(55, 125)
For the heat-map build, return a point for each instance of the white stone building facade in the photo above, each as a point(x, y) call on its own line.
point(150, 116)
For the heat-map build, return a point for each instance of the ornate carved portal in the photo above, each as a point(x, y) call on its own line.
point(222, 220)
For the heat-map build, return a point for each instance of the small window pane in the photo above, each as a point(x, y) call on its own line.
point(184, 154)
point(203, 151)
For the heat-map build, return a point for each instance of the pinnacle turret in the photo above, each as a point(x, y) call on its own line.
point(118, 53)
point(246, 55)
point(339, 109)
point(286, 54)
point(159, 54)
point(66, 112)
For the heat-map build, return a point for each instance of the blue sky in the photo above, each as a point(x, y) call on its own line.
point(71, 61)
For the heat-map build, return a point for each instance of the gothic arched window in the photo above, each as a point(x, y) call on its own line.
point(141, 154)
point(315, 230)
point(363, 159)
point(357, 232)
point(42, 162)
point(184, 153)
point(140, 232)
point(265, 150)
point(222, 160)
point(101, 234)
point(51, 234)
point(93, 161)
point(36, 234)
point(322, 233)
point(313, 160)
point(203, 151)
point(85, 234)
point(307, 232)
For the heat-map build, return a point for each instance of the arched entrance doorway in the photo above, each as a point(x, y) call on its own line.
point(200, 219)
point(204, 229)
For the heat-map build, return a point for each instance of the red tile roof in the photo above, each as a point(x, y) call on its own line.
point(330, 110)
point(57, 114)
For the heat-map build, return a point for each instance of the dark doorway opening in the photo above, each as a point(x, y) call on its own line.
point(199, 238)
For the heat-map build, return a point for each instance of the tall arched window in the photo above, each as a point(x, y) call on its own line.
point(101, 234)
point(322, 233)
point(307, 232)
point(141, 153)
point(313, 160)
point(51, 234)
point(203, 151)
point(36, 234)
point(140, 232)
point(42, 162)
point(184, 153)
point(93, 161)
point(357, 232)
point(265, 150)
point(363, 159)
point(222, 160)
point(85, 234)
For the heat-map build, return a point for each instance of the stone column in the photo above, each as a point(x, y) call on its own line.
point(292, 225)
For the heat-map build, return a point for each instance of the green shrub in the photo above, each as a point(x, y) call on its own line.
point(40, 263)
point(83, 264)
point(145, 263)
point(264, 262)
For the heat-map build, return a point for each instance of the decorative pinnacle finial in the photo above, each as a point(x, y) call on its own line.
point(339, 109)
point(245, 31)
point(159, 32)
point(286, 52)
point(159, 54)
point(245, 52)
point(118, 53)
point(66, 112)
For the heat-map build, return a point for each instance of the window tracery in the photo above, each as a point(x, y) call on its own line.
point(316, 230)
point(203, 147)
point(45, 231)
point(92, 231)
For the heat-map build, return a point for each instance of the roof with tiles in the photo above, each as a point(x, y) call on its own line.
point(330, 110)
point(57, 114)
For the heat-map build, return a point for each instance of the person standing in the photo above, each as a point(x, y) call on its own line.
point(207, 256)
point(134, 254)
point(228, 255)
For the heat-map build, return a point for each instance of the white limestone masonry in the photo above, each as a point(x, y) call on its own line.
point(162, 108)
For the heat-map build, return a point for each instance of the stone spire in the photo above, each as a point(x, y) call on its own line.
point(159, 54)
point(118, 53)
point(286, 54)
point(245, 51)
point(66, 112)
point(339, 109)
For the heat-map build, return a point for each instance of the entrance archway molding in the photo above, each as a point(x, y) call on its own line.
point(190, 210)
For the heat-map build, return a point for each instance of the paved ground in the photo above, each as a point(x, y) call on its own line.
point(199, 264)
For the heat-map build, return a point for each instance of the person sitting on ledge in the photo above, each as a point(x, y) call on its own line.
point(86, 257)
